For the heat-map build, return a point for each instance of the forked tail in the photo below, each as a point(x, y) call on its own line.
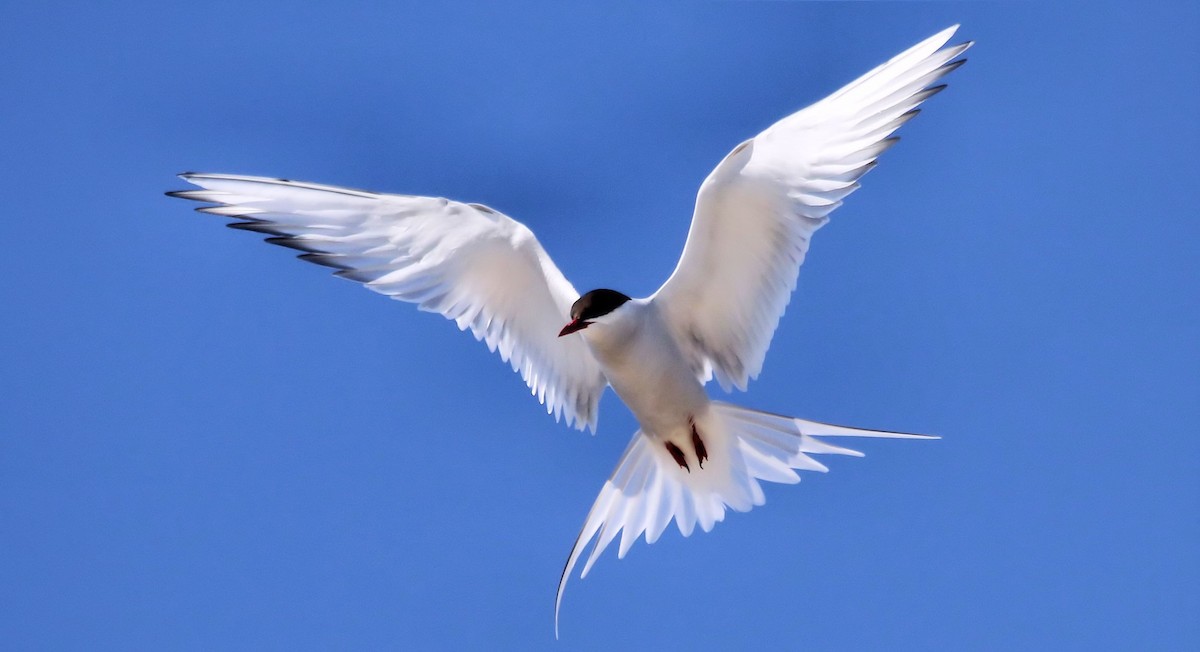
point(652, 484)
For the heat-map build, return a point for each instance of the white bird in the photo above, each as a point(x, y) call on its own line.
point(713, 318)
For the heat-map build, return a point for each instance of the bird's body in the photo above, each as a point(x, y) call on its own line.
point(755, 216)
point(645, 366)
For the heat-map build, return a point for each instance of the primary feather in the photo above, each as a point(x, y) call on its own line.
point(757, 211)
point(474, 265)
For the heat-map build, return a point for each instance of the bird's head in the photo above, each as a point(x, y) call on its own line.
point(592, 307)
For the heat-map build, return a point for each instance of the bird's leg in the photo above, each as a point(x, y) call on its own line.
point(678, 455)
point(698, 444)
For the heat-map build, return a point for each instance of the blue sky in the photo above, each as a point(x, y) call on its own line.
point(207, 445)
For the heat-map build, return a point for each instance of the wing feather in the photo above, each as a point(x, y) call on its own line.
point(477, 267)
point(757, 211)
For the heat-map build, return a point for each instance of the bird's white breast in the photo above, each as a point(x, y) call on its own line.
point(646, 367)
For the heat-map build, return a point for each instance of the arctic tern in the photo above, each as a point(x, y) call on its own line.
point(755, 214)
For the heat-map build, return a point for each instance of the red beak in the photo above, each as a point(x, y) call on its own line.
point(576, 325)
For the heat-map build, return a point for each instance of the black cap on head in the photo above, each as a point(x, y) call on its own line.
point(592, 305)
point(597, 303)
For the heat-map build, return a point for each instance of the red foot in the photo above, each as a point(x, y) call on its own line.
point(678, 455)
point(698, 444)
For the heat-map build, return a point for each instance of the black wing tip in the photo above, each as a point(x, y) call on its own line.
point(264, 228)
point(186, 176)
point(931, 91)
point(193, 194)
point(293, 243)
point(192, 174)
point(363, 276)
point(953, 65)
point(333, 261)
point(190, 177)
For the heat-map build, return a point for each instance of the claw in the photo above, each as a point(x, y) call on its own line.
point(678, 456)
point(698, 444)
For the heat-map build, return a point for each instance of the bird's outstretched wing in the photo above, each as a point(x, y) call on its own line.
point(757, 211)
point(477, 267)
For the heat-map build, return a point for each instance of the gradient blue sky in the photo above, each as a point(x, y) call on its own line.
point(207, 445)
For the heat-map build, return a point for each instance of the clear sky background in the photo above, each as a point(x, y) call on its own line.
point(205, 444)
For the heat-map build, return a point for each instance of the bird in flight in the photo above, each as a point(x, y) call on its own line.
point(692, 457)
